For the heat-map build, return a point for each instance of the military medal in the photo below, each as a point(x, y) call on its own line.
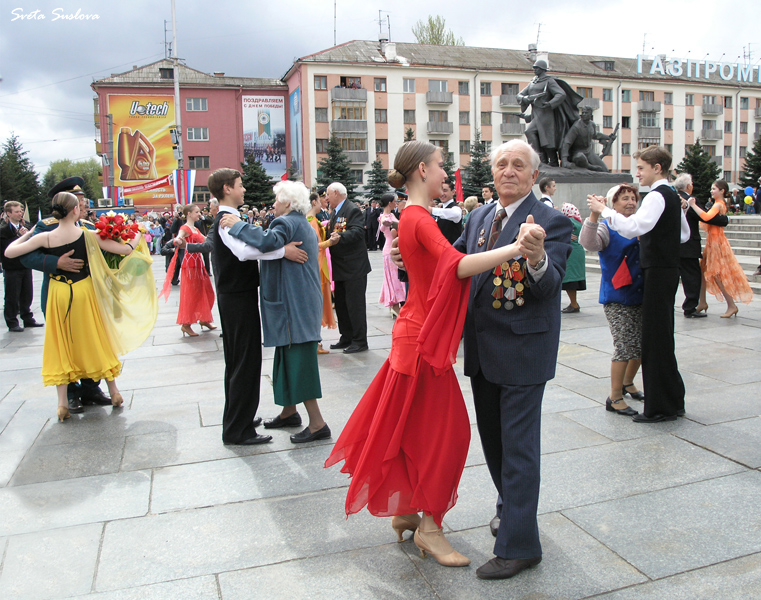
point(497, 281)
point(482, 240)
point(509, 305)
point(518, 287)
point(496, 304)
point(510, 283)
point(520, 301)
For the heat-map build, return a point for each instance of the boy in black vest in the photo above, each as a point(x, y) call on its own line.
point(662, 226)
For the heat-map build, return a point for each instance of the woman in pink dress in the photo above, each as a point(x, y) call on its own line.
point(392, 292)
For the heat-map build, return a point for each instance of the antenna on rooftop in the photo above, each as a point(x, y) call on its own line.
point(167, 45)
point(334, 22)
point(538, 31)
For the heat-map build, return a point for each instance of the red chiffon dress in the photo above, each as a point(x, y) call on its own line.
point(196, 292)
point(406, 442)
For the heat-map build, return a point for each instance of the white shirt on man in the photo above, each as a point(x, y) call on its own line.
point(241, 250)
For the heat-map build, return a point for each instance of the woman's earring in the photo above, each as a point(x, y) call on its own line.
point(423, 179)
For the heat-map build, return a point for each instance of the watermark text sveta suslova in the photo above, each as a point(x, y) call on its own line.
point(57, 14)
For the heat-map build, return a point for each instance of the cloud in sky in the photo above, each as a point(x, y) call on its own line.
point(49, 63)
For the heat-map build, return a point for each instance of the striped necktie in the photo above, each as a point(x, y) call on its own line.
point(496, 228)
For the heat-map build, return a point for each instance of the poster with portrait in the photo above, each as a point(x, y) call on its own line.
point(264, 132)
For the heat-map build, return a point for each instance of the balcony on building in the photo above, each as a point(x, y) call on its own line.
point(348, 125)
point(649, 132)
point(509, 101)
point(357, 156)
point(649, 105)
point(355, 94)
point(758, 112)
point(711, 134)
point(512, 128)
point(713, 109)
point(756, 135)
point(593, 103)
point(440, 127)
point(98, 148)
point(438, 98)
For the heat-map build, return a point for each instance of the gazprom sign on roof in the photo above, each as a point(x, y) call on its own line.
point(700, 69)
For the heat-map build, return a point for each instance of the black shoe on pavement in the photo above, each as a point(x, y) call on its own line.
point(339, 345)
point(695, 315)
point(641, 418)
point(96, 396)
point(16, 329)
point(252, 441)
point(307, 436)
point(33, 324)
point(504, 568)
point(354, 348)
point(75, 405)
point(494, 526)
point(293, 421)
point(257, 421)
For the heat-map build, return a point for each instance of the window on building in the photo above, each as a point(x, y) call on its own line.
point(357, 174)
point(648, 118)
point(727, 126)
point(438, 116)
point(727, 101)
point(166, 73)
point(320, 115)
point(463, 88)
point(668, 123)
point(351, 82)
point(487, 146)
point(409, 116)
point(201, 193)
point(198, 134)
point(709, 100)
point(349, 110)
point(689, 99)
point(381, 115)
point(728, 151)
point(744, 103)
point(605, 65)
point(380, 84)
point(626, 122)
point(743, 127)
point(758, 102)
point(643, 143)
point(321, 82)
point(710, 150)
point(321, 146)
point(743, 151)
point(198, 162)
point(511, 118)
point(510, 89)
point(486, 88)
point(408, 86)
point(437, 85)
point(607, 95)
point(607, 122)
point(353, 144)
point(626, 95)
point(485, 118)
point(669, 148)
point(584, 92)
point(646, 96)
point(709, 124)
point(464, 146)
point(443, 144)
point(668, 98)
point(626, 148)
point(381, 146)
point(196, 104)
point(727, 175)
point(464, 117)
point(689, 125)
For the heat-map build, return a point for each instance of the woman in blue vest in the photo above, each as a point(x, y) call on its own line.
point(621, 290)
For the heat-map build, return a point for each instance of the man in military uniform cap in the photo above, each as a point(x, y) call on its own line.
point(87, 391)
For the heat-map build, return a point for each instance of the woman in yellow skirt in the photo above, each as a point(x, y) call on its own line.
point(77, 344)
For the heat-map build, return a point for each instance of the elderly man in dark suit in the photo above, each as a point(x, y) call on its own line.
point(512, 333)
point(348, 253)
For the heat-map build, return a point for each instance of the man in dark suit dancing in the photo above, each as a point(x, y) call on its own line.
point(512, 332)
point(348, 252)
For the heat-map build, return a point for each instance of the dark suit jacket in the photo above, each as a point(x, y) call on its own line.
point(519, 346)
point(692, 248)
point(8, 233)
point(349, 256)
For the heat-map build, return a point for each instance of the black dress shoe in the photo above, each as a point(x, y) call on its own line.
point(494, 526)
point(504, 568)
point(695, 315)
point(293, 421)
point(257, 421)
point(33, 324)
point(339, 345)
point(627, 412)
point(681, 412)
point(654, 419)
point(75, 406)
point(634, 395)
point(16, 329)
point(252, 441)
point(95, 397)
point(354, 348)
point(307, 436)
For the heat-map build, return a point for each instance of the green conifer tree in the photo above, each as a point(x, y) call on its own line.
point(18, 179)
point(292, 170)
point(752, 166)
point(409, 134)
point(377, 181)
point(698, 163)
point(336, 167)
point(257, 183)
point(478, 172)
point(449, 167)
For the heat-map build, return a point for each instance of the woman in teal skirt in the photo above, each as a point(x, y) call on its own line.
point(291, 309)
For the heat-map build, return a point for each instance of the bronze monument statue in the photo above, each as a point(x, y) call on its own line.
point(578, 148)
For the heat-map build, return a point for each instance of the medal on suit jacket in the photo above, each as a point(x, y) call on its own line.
point(340, 225)
point(481, 237)
point(510, 283)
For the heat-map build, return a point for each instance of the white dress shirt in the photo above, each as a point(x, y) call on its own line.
point(453, 213)
point(240, 249)
point(548, 201)
point(643, 221)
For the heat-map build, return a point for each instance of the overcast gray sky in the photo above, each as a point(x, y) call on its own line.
point(47, 64)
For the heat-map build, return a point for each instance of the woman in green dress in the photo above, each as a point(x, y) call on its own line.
point(575, 279)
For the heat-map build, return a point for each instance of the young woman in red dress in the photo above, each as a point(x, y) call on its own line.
point(406, 443)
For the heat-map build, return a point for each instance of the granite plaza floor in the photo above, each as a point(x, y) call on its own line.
point(145, 502)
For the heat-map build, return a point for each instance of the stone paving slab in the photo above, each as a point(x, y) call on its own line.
point(738, 440)
point(717, 520)
point(194, 588)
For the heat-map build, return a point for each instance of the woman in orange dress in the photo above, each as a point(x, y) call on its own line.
point(328, 320)
point(722, 274)
point(406, 442)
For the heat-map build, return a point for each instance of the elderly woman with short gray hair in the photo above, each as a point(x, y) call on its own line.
point(291, 309)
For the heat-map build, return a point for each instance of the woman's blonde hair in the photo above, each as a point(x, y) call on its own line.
point(63, 203)
point(410, 155)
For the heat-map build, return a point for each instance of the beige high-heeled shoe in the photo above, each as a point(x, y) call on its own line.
point(730, 313)
point(117, 400)
point(188, 330)
point(701, 308)
point(208, 326)
point(402, 523)
point(435, 544)
point(63, 413)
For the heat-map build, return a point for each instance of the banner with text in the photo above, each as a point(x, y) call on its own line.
point(264, 132)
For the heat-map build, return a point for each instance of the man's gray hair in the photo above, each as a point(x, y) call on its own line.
point(515, 145)
point(213, 202)
point(338, 187)
point(682, 181)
